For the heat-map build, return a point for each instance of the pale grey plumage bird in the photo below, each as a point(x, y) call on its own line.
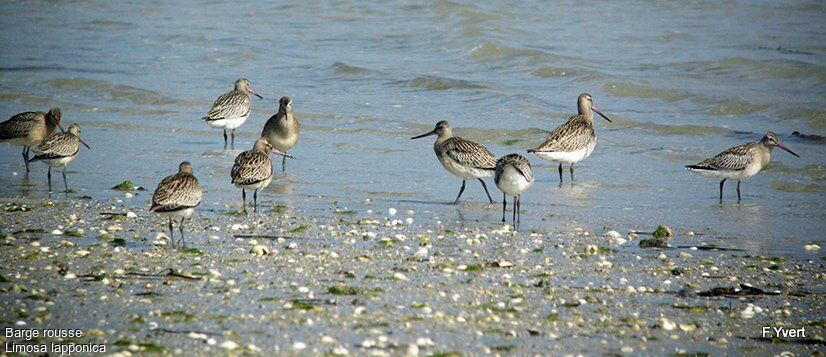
point(232, 109)
point(513, 177)
point(463, 158)
point(253, 170)
point(58, 150)
point(739, 162)
point(282, 129)
point(177, 196)
point(29, 129)
point(573, 141)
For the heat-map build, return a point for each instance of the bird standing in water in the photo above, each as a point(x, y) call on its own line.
point(463, 158)
point(513, 176)
point(739, 162)
point(232, 109)
point(29, 129)
point(573, 141)
point(253, 170)
point(282, 129)
point(59, 150)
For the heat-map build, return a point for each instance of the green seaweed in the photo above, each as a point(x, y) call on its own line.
point(343, 290)
point(124, 186)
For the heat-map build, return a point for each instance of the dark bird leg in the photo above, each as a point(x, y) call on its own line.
point(49, 178)
point(26, 157)
point(738, 191)
point(572, 172)
point(721, 190)
point(514, 209)
point(460, 192)
point(519, 208)
point(244, 200)
point(504, 205)
point(181, 229)
point(65, 184)
point(560, 174)
point(225, 138)
point(284, 163)
point(486, 190)
point(171, 233)
point(255, 201)
point(232, 142)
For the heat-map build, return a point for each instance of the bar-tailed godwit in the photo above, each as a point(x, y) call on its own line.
point(282, 129)
point(59, 149)
point(253, 170)
point(739, 162)
point(232, 109)
point(573, 141)
point(29, 129)
point(513, 176)
point(463, 158)
point(177, 196)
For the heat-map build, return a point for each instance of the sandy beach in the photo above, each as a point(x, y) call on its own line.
point(381, 284)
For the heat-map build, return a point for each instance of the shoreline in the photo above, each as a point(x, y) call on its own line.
point(355, 282)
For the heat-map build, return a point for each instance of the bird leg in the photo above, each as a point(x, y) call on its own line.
point(26, 157)
point(572, 172)
point(181, 229)
point(560, 174)
point(519, 208)
point(514, 210)
point(738, 191)
point(49, 178)
point(721, 190)
point(244, 200)
point(460, 192)
point(284, 162)
point(225, 138)
point(171, 233)
point(504, 205)
point(486, 190)
point(232, 143)
point(255, 201)
point(65, 184)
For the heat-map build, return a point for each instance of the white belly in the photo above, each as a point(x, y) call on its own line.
point(63, 161)
point(749, 171)
point(568, 157)
point(179, 213)
point(511, 182)
point(228, 123)
point(283, 143)
point(462, 171)
point(256, 186)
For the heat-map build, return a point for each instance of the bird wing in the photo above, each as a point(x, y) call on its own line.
point(736, 158)
point(177, 192)
point(234, 104)
point(571, 136)
point(19, 125)
point(519, 162)
point(56, 146)
point(251, 167)
point(469, 153)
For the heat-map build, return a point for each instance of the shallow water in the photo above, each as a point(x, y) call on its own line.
point(682, 80)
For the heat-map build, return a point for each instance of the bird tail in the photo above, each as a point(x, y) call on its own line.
point(531, 151)
point(698, 167)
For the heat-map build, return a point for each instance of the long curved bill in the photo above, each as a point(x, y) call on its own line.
point(429, 133)
point(274, 151)
point(600, 114)
point(84, 143)
point(787, 149)
point(255, 94)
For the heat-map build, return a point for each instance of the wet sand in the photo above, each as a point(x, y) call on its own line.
point(338, 281)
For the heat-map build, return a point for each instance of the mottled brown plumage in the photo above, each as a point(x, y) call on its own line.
point(519, 162)
point(29, 129)
point(253, 170)
point(232, 109)
point(177, 192)
point(463, 158)
point(59, 145)
point(513, 176)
